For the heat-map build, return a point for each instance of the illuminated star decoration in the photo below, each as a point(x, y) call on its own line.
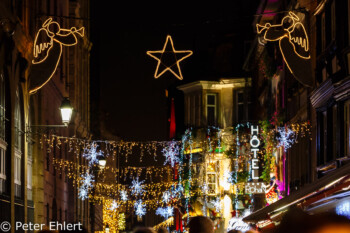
point(169, 53)
point(91, 153)
point(123, 195)
point(114, 205)
point(171, 153)
point(286, 137)
point(165, 212)
point(140, 208)
point(217, 204)
point(137, 187)
point(86, 184)
point(166, 197)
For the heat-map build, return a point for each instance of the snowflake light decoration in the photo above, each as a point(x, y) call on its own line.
point(114, 205)
point(171, 153)
point(205, 188)
point(86, 184)
point(165, 212)
point(91, 153)
point(137, 187)
point(123, 195)
point(217, 204)
point(166, 197)
point(87, 180)
point(83, 193)
point(230, 178)
point(286, 137)
point(140, 208)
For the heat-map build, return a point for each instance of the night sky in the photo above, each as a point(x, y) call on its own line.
point(132, 103)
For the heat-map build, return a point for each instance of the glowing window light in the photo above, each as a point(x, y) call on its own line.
point(51, 37)
point(174, 68)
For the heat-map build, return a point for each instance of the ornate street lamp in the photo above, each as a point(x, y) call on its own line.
point(66, 111)
point(102, 162)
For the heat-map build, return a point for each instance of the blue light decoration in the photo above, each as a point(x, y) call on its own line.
point(140, 208)
point(343, 209)
point(166, 197)
point(91, 154)
point(285, 137)
point(114, 205)
point(217, 204)
point(137, 187)
point(171, 152)
point(165, 212)
point(123, 195)
point(87, 180)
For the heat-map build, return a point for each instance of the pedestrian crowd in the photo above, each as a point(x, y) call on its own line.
point(294, 221)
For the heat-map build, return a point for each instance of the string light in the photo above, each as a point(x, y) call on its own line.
point(217, 204)
point(166, 197)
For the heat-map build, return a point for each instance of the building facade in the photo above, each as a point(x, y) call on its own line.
point(30, 188)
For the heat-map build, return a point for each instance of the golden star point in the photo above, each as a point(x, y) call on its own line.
point(178, 75)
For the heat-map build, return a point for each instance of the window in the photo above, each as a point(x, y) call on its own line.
point(334, 131)
point(347, 128)
point(3, 144)
point(188, 122)
point(212, 178)
point(211, 109)
point(240, 106)
point(29, 179)
point(18, 146)
point(2, 107)
point(333, 18)
point(193, 110)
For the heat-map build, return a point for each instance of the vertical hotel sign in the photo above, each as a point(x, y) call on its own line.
point(254, 187)
point(254, 148)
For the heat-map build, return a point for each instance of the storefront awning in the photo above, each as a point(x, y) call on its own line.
point(333, 182)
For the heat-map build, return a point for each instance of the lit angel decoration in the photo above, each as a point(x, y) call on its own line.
point(123, 195)
point(114, 205)
point(137, 187)
point(294, 45)
point(171, 153)
point(47, 51)
point(217, 204)
point(91, 153)
point(140, 208)
point(165, 212)
point(285, 137)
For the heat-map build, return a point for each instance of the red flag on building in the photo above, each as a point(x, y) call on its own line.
point(172, 120)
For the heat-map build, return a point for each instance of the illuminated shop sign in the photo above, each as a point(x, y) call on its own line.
point(254, 148)
point(255, 188)
point(238, 224)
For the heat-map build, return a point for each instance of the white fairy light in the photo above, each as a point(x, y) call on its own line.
point(91, 153)
point(123, 195)
point(171, 153)
point(286, 137)
point(140, 208)
point(165, 212)
point(137, 187)
point(83, 193)
point(114, 205)
point(166, 197)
